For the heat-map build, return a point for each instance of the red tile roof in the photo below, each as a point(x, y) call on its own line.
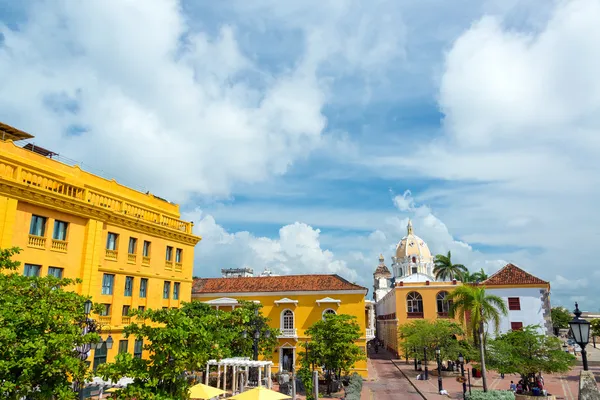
point(286, 283)
point(510, 274)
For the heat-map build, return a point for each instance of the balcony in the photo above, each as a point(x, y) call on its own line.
point(111, 254)
point(370, 333)
point(169, 265)
point(146, 261)
point(104, 319)
point(37, 241)
point(288, 333)
point(131, 258)
point(178, 266)
point(414, 315)
point(125, 320)
point(59, 245)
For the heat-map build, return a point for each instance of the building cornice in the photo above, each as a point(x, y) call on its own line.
point(277, 294)
point(156, 275)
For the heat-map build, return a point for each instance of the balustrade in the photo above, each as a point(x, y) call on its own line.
point(145, 261)
point(169, 265)
point(37, 241)
point(178, 266)
point(131, 258)
point(59, 245)
point(111, 254)
point(370, 333)
point(104, 319)
point(288, 333)
point(125, 320)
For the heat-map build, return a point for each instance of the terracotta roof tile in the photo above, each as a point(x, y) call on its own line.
point(510, 274)
point(297, 283)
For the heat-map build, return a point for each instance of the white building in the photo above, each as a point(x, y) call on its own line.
point(527, 298)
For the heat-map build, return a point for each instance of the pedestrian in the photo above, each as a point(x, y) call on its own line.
point(502, 375)
point(513, 387)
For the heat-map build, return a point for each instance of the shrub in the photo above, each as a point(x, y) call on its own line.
point(491, 395)
point(354, 387)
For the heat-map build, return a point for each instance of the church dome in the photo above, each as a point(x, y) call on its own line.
point(412, 246)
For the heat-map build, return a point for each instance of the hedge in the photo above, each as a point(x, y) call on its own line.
point(491, 395)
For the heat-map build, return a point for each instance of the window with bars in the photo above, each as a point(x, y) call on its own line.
point(60, 230)
point(514, 303)
point(143, 287)
point(516, 326)
point(288, 319)
point(128, 286)
point(176, 291)
point(55, 272)
point(108, 281)
point(37, 226)
point(32, 270)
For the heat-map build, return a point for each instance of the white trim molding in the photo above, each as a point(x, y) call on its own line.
point(293, 293)
point(328, 300)
point(285, 300)
point(223, 301)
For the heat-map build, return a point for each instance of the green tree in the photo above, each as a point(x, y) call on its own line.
point(560, 317)
point(445, 269)
point(332, 345)
point(246, 318)
point(41, 324)
point(479, 276)
point(482, 308)
point(527, 353)
point(424, 335)
point(595, 326)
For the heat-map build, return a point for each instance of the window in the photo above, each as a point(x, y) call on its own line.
point(169, 255)
point(514, 303)
point(166, 289)
point(414, 303)
point(443, 304)
point(141, 308)
point(132, 245)
point(60, 230)
point(125, 312)
point(32, 270)
point(146, 249)
point(100, 356)
point(111, 241)
point(105, 312)
point(516, 326)
point(287, 320)
point(128, 286)
point(328, 311)
point(178, 255)
point(107, 284)
point(38, 225)
point(55, 272)
point(138, 347)
point(176, 291)
point(123, 345)
point(143, 287)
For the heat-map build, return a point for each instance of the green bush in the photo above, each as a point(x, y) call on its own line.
point(491, 395)
point(354, 387)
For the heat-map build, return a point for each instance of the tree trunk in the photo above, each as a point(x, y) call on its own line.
point(482, 355)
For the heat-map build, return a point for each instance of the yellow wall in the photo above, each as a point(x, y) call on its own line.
point(92, 206)
point(306, 313)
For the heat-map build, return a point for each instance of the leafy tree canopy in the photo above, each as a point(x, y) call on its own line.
point(424, 335)
point(40, 327)
point(445, 269)
point(595, 325)
point(560, 317)
point(527, 352)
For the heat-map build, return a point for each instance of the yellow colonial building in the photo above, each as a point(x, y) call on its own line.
point(410, 291)
point(292, 303)
point(130, 249)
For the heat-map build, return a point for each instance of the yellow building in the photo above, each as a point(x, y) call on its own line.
point(130, 249)
point(292, 303)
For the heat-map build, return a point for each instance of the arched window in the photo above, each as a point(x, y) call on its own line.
point(443, 304)
point(287, 320)
point(414, 305)
point(328, 311)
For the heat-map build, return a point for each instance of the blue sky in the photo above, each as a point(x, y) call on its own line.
point(300, 136)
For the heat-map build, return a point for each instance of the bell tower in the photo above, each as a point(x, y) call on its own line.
point(381, 280)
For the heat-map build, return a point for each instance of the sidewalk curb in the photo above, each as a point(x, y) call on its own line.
point(409, 380)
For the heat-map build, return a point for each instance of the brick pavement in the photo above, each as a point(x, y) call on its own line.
point(387, 382)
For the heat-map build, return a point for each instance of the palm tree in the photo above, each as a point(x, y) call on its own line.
point(444, 268)
point(482, 308)
point(479, 276)
point(467, 277)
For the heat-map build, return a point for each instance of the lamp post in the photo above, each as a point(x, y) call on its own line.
point(415, 351)
point(425, 362)
point(439, 369)
point(580, 330)
point(461, 360)
point(256, 325)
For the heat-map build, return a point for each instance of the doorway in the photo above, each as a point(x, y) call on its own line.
point(286, 359)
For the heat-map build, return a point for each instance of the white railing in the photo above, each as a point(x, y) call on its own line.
point(288, 333)
point(370, 333)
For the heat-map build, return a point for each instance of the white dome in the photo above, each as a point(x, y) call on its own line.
point(413, 246)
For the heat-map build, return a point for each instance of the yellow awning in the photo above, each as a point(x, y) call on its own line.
point(201, 391)
point(261, 393)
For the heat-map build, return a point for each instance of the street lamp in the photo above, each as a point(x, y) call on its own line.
point(580, 330)
point(425, 362)
point(461, 360)
point(439, 365)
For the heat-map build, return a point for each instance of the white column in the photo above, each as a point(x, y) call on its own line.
point(224, 378)
point(218, 375)
point(259, 377)
point(233, 381)
point(270, 383)
point(372, 316)
point(207, 374)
